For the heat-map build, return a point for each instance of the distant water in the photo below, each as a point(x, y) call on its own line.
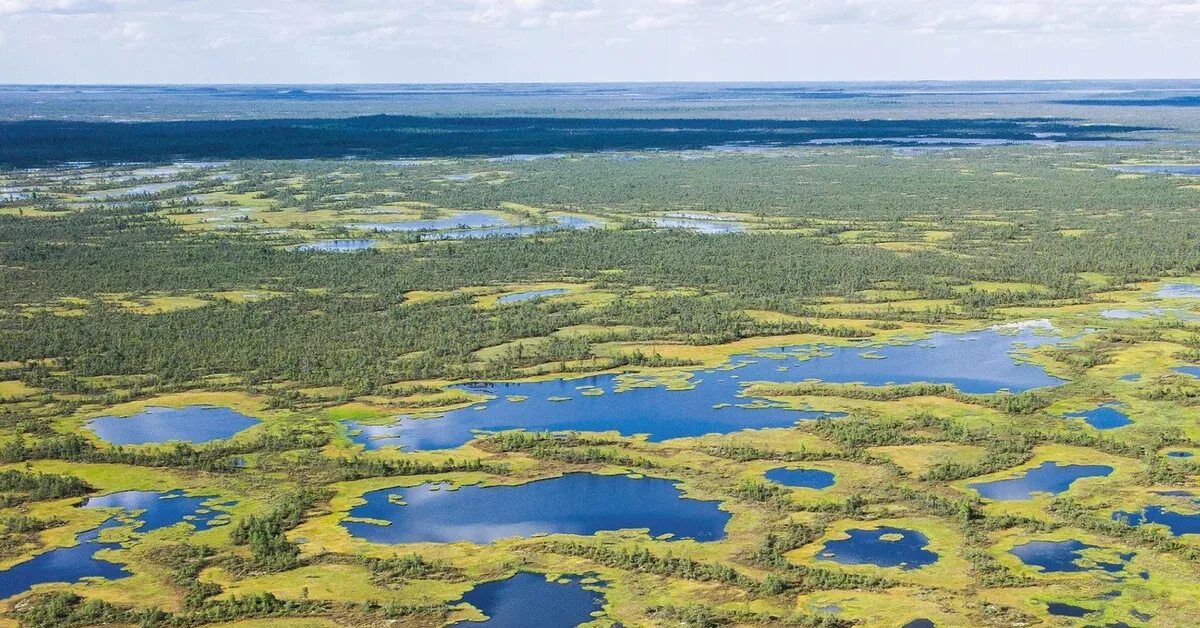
point(1050, 477)
point(1194, 371)
point(699, 226)
point(338, 246)
point(1179, 291)
point(529, 295)
point(191, 424)
point(883, 547)
point(576, 503)
point(456, 220)
point(1186, 170)
point(528, 599)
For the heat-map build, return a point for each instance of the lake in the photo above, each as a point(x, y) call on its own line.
point(528, 599)
point(145, 510)
point(1103, 417)
point(191, 424)
point(1184, 170)
point(883, 547)
point(1194, 371)
point(801, 478)
point(576, 503)
point(529, 295)
point(1179, 523)
point(560, 223)
point(1050, 477)
point(456, 220)
point(1179, 291)
point(1062, 556)
point(977, 362)
point(697, 225)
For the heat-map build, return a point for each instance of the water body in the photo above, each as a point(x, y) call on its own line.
point(191, 424)
point(979, 362)
point(577, 503)
point(153, 510)
point(1061, 609)
point(1131, 377)
point(560, 224)
point(1050, 477)
point(1179, 454)
point(919, 623)
point(1155, 312)
point(801, 478)
point(883, 547)
point(64, 564)
point(699, 226)
point(1182, 170)
point(528, 599)
point(146, 511)
point(457, 220)
point(1194, 371)
point(1060, 556)
point(1177, 522)
point(338, 246)
point(1103, 417)
point(148, 188)
point(529, 295)
point(1179, 291)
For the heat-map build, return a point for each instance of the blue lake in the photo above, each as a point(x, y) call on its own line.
point(153, 510)
point(577, 503)
point(1178, 523)
point(1179, 291)
point(919, 623)
point(1194, 371)
point(338, 246)
point(802, 478)
point(1060, 556)
point(529, 295)
point(1050, 477)
point(1179, 454)
point(869, 547)
point(699, 226)
point(528, 599)
point(979, 362)
point(1104, 417)
point(560, 223)
point(147, 511)
point(191, 424)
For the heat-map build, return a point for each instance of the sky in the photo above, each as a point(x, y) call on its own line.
point(411, 41)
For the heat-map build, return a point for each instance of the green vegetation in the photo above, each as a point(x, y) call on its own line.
point(112, 307)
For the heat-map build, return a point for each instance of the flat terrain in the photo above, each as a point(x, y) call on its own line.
point(923, 329)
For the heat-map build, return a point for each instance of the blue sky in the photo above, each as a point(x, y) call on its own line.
point(290, 41)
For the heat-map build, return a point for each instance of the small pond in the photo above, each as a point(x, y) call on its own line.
point(1050, 477)
point(528, 599)
point(530, 295)
point(1179, 291)
point(457, 220)
point(1104, 417)
point(191, 424)
point(576, 503)
point(801, 478)
point(883, 547)
point(699, 226)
